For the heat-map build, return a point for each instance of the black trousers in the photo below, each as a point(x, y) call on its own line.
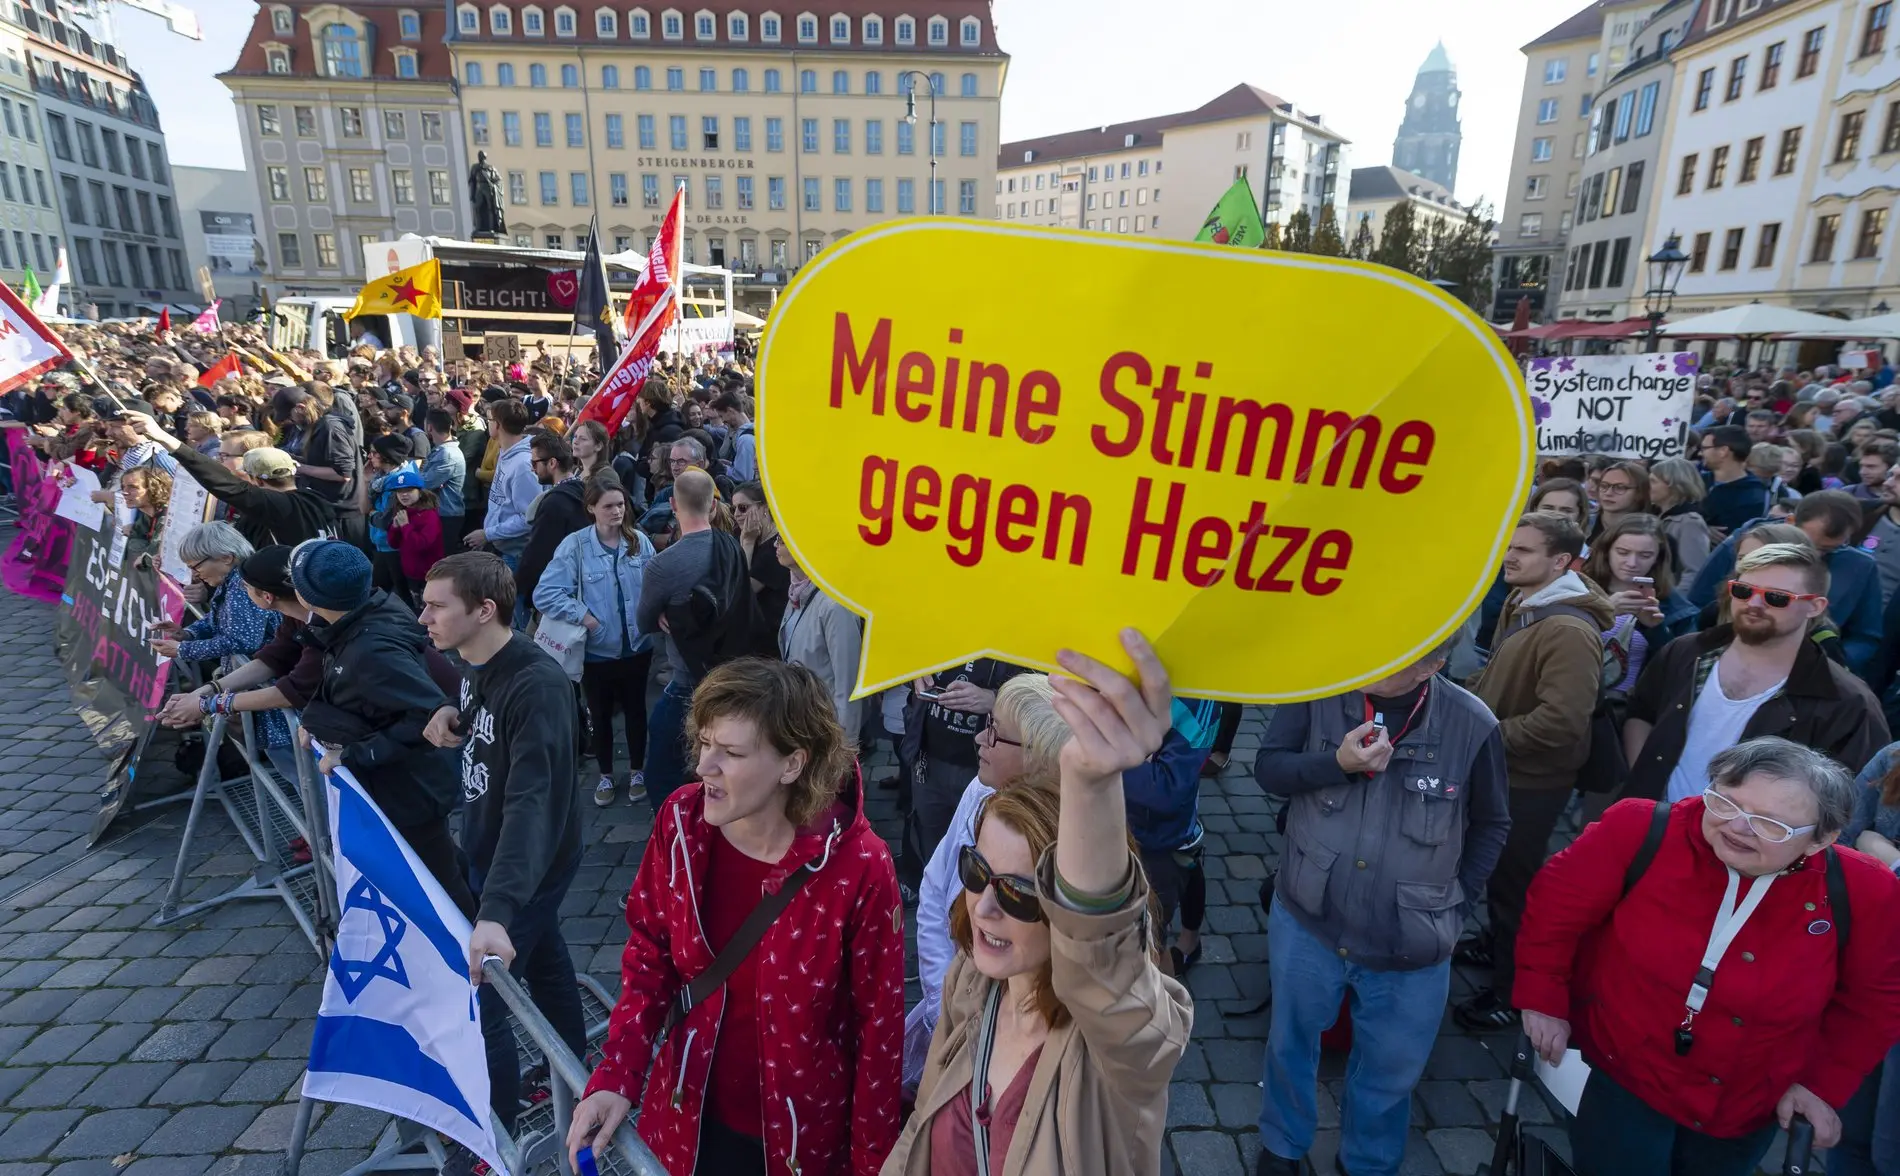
point(353, 529)
point(386, 573)
point(619, 685)
point(452, 532)
point(436, 848)
point(545, 968)
point(1534, 814)
point(1230, 713)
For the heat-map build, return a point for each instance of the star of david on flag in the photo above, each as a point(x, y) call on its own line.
point(398, 1030)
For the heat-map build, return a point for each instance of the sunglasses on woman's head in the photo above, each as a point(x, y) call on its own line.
point(1742, 592)
point(1016, 895)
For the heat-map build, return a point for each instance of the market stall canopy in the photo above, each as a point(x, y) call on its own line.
point(1754, 321)
point(1621, 329)
point(1880, 326)
point(1561, 329)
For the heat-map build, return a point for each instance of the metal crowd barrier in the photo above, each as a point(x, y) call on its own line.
point(270, 817)
point(538, 1146)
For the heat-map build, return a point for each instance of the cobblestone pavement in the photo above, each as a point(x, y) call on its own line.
point(177, 1051)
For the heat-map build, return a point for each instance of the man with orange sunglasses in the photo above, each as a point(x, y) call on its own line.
point(1757, 675)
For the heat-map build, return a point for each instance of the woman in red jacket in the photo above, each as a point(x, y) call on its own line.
point(792, 1066)
point(1710, 989)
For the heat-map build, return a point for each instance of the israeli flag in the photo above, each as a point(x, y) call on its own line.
point(399, 1029)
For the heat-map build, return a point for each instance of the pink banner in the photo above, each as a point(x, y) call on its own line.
point(36, 559)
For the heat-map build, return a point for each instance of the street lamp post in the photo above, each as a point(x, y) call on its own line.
point(1665, 271)
point(911, 77)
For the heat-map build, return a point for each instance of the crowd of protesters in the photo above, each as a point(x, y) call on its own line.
point(458, 585)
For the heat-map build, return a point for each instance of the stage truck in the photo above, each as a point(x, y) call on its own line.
point(499, 301)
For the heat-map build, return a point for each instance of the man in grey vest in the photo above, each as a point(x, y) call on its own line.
point(1398, 813)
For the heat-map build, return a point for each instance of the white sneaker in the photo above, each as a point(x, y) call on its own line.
point(604, 792)
point(636, 787)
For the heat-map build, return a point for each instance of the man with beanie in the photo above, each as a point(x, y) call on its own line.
point(516, 723)
point(374, 701)
point(270, 507)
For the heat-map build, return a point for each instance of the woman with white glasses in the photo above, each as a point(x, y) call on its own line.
point(1700, 957)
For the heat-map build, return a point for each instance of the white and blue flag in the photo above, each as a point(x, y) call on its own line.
point(399, 1030)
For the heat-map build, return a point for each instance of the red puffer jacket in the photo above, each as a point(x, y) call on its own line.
point(831, 997)
point(1781, 1011)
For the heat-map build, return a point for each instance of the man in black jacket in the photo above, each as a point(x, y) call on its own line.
point(522, 831)
point(374, 701)
point(558, 513)
point(1760, 674)
point(271, 509)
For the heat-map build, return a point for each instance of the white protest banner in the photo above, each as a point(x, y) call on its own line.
point(27, 348)
point(76, 487)
point(1616, 405)
point(185, 510)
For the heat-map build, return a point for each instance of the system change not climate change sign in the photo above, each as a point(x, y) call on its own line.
point(1615, 405)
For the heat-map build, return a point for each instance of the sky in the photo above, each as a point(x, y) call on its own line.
point(1079, 63)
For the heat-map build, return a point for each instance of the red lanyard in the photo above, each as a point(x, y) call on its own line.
point(1424, 693)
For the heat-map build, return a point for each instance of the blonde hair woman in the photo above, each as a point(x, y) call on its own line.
point(1059, 1030)
point(1018, 748)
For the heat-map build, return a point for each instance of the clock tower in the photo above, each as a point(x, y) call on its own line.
point(1430, 135)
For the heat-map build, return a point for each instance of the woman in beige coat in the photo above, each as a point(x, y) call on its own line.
point(1059, 1032)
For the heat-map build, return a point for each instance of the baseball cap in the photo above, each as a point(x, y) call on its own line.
point(269, 465)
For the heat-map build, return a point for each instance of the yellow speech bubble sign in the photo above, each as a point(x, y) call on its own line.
point(1295, 474)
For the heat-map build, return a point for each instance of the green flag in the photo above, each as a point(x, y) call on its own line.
point(1235, 220)
point(30, 287)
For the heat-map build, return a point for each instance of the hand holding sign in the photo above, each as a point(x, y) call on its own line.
point(975, 475)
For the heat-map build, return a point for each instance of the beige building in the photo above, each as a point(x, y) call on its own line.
point(1376, 191)
point(789, 128)
point(1778, 166)
point(1563, 69)
point(352, 134)
point(1110, 178)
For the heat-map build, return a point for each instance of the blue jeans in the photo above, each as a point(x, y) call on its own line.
point(1870, 1126)
point(666, 744)
point(1395, 1017)
point(1617, 1134)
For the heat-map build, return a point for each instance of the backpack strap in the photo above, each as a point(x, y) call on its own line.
point(1837, 904)
point(1646, 852)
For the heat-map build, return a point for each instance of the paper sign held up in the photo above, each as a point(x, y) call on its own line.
point(1615, 405)
point(994, 465)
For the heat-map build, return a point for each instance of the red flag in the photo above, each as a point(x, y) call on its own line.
point(228, 366)
point(650, 310)
point(27, 347)
point(164, 319)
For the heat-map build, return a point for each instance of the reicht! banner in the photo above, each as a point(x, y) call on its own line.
point(104, 641)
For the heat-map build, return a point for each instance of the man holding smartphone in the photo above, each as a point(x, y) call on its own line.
point(1397, 812)
point(947, 709)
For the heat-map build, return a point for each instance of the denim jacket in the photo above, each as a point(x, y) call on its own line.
point(584, 577)
point(443, 471)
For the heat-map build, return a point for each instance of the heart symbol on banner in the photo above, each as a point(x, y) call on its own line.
point(564, 287)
